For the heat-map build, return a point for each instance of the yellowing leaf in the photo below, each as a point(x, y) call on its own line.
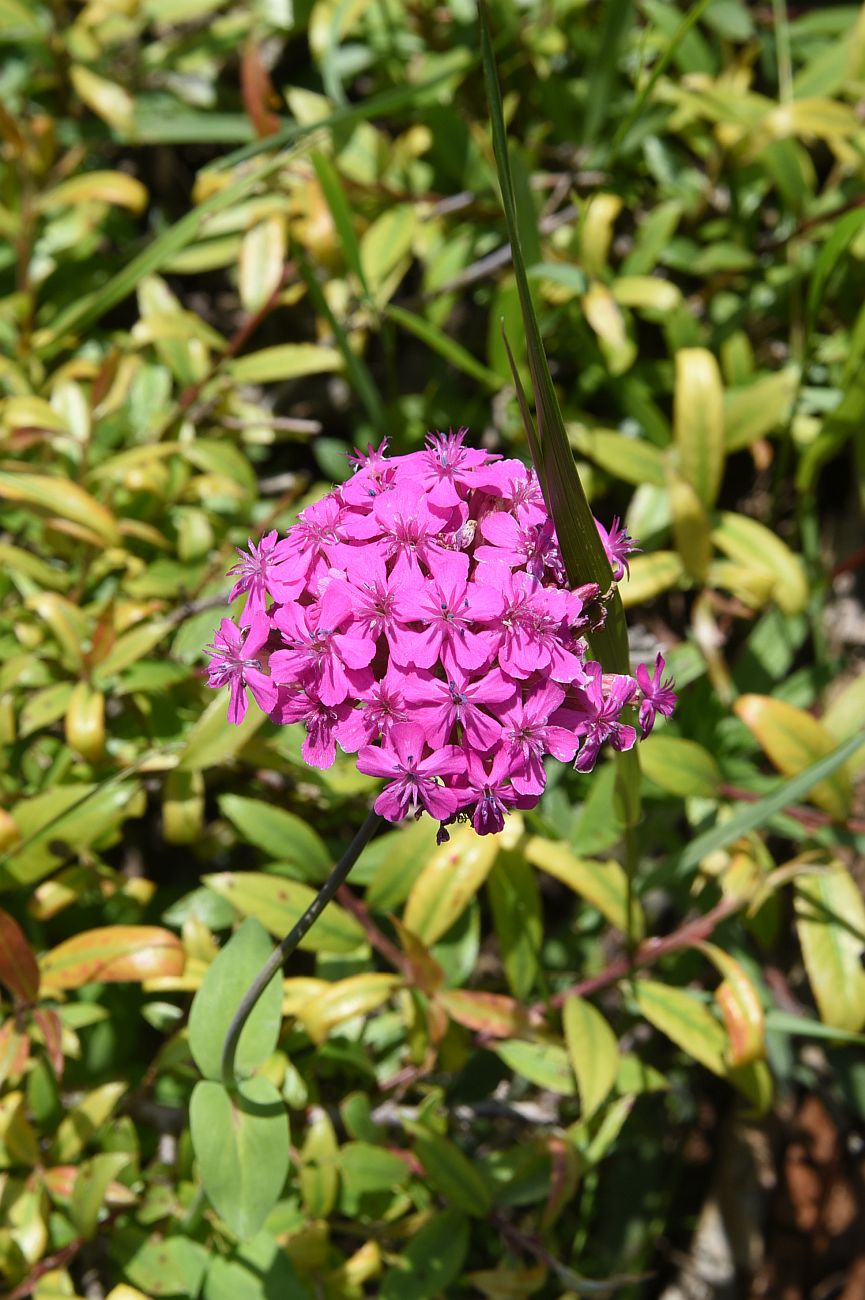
point(107, 100)
point(113, 953)
point(60, 496)
point(739, 1003)
point(117, 188)
point(827, 119)
point(650, 576)
point(355, 996)
point(634, 460)
point(593, 1050)
point(486, 1013)
point(793, 740)
point(603, 884)
point(698, 421)
point(262, 257)
point(448, 882)
point(830, 922)
point(754, 546)
point(605, 317)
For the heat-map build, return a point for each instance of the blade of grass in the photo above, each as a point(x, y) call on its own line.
point(334, 194)
point(751, 816)
point(454, 353)
point(356, 369)
point(582, 550)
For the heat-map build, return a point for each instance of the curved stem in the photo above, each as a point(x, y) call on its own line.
point(290, 942)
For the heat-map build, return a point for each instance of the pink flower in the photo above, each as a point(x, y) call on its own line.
point(618, 546)
point(234, 663)
point(420, 617)
point(411, 777)
point(657, 698)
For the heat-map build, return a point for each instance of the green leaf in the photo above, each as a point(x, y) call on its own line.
point(448, 882)
point(685, 1020)
point(830, 922)
point(751, 816)
point(603, 884)
point(515, 901)
point(593, 1052)
point(842, 232)
point(366, 1168)
point(62, 820)
point(257, 1270)
point(793, 740)
point(284, 361)
point(212, 740)
point(227, 979)
point(432, 1260)
point(241, 1143)
point(168, 1266)
point(283, 835)
point(278, 903)
point(319, 1175)
point(681, 766)
point(544, 1064)
point(452, 1173)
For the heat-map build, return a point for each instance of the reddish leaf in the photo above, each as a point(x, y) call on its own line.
point(52, 1035)
point(18, 968)
point(492, 1014)
point(115, 953)
point(257, 91)
point(14, 1051)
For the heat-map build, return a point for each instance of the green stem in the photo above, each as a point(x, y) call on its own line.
point(290, 942)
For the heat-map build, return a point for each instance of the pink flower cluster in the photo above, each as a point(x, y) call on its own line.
point(419, 616)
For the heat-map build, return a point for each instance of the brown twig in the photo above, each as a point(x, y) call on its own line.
point(350, 901)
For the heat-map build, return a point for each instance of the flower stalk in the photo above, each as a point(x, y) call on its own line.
point(286, 947)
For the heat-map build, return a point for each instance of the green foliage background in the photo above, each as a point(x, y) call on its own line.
point(238, 240)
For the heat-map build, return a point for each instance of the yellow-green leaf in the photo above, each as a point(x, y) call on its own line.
point(452, 1173)
point(751, 544)
point(113, 953)
point(691, 527)
point(758, 409)
point(278, 903)
point(448, 882)
point(650, 576)
point(681, 766)
point(830, 922)
point(285, 361)
point(793, 740)
point(633, 460)
point(684, 1019)
point(544, 1064)
point(846, 715)
point(698, 421)
point(213, 740)
point(61, 497)
point(593, 1050)
point(603, 884)
point(647, 293)
point(346, 999)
